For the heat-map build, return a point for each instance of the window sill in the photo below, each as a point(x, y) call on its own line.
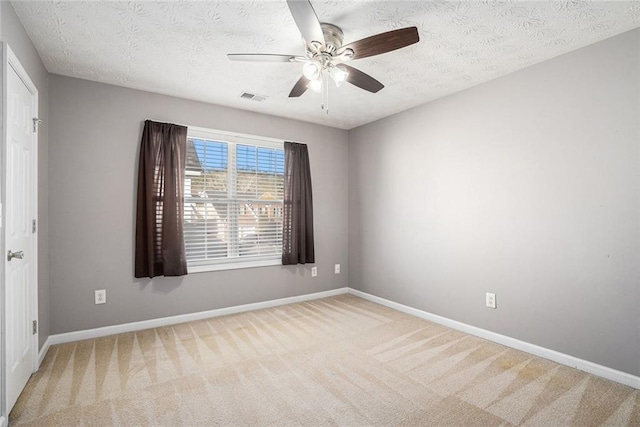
point(233, 265)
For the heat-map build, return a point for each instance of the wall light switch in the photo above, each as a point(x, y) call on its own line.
point(101, 296)
point(314, 271)
point(337, 269)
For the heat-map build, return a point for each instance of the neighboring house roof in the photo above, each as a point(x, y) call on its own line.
point(192, 156)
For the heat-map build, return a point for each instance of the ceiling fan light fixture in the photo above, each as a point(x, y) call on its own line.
point(315, 85)
point(315, 46)
point(339, 75)
point(326, 54)
point(346, 55)
point(311, 70)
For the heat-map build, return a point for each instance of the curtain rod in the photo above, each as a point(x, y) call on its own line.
point(224, 132)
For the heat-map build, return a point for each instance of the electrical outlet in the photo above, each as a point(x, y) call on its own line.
point(337, 269)
point(101, 296)
point(314, 271)
point(491, 300)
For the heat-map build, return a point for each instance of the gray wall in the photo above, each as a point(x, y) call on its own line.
point(526, 186)
point(12, 32)
point(95, 136)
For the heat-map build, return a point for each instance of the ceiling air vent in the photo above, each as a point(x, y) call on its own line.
point(253, 96)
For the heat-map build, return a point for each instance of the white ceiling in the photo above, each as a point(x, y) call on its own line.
point(178, 48)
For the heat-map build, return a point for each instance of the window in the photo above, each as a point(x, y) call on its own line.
point(234, 189)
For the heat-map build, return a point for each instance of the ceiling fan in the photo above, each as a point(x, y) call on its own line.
point(326, 55)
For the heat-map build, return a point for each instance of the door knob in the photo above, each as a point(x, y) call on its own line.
point(12, 255)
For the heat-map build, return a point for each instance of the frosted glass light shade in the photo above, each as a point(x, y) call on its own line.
point(339, 75)
point(315, 85)
point(311, 70)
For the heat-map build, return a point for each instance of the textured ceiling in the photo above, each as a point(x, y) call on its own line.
point(178, 47)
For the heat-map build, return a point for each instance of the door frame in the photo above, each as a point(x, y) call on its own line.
point(10, 60)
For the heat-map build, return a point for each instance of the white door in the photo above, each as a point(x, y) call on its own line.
point(19, 234)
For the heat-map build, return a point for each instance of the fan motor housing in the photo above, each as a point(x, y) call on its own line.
point(333, 37)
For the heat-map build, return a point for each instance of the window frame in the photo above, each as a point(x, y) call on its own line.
point(233, 139)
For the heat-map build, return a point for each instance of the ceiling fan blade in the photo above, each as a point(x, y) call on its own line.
point(306, 20)
point(382, 43)
point(362, 80)
point(299, 88)
point(263, 57)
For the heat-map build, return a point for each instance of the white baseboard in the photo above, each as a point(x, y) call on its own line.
point(3, 422)
point(172, 320)
point(563, 359)
point(43, 351)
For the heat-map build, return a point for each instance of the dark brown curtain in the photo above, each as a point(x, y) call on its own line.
point(159, 235)
point(297, 239)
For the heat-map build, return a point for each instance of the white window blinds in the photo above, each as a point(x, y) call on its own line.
point(234, 188)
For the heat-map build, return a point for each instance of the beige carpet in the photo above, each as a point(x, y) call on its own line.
point(335, 361)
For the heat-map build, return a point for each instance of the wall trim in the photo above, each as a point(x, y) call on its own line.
point(556, 356)
point(3, 422)
point(43, 352)
point(182, 318)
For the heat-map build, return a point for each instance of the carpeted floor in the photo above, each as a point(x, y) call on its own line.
point(335, 361)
